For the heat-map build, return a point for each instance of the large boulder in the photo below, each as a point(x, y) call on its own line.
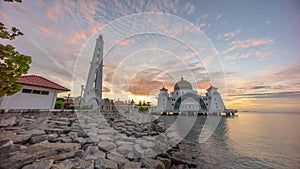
point(36, 151)
point(93, 153)
point(45, 164)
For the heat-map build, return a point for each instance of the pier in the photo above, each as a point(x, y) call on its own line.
point(227, 112)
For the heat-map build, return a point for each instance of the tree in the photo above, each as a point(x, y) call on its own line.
point(132, 102)
point(12, 63)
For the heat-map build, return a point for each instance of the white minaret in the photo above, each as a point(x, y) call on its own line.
point(163, 97)
point(216, 104)
point(93, 88)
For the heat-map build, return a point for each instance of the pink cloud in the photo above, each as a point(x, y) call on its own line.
point(231, 57)
point(189, 8)
point(3, 15)
point(249, 43)
point(232, 33)
point(45, 30)
point(219, 16)
point(125, 42)
point(261, 55)
point(237, 56)
point(71, 41)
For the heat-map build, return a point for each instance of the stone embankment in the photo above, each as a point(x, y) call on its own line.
point(58, 140)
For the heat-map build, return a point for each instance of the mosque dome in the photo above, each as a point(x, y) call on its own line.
point(183, 85)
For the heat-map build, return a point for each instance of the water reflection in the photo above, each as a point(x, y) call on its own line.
point(242, 142)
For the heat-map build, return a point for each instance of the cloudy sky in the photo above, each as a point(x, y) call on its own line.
point(249, 49)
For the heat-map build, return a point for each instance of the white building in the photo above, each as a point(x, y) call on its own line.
point(185, 99)
point(37, 93)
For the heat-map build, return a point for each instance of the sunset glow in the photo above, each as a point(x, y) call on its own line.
point(257, 43)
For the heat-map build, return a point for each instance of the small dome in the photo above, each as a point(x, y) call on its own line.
point(183, 85)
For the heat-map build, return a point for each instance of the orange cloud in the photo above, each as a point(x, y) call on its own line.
point(186, 58)
point(203, 85)
point(80, 35)
point(71, 41)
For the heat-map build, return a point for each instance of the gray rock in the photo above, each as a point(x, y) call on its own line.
point(82, 140)
point(131, 156)
point(86, 164)
point(65, 164)
point(124, 149)
point(16, 138)
point(39, 123)
point(166, 161)
point(132, 165)
point(8, 122)
point(160, 147)
point(7, 146)
point(120, 160)
point(54, 131)
point(53, 137)
point(60, 157)
point(36, 151)
point(92, 153)
point(73, 135)
point(5, 143)
point(34, 132)
point(106, 145)
point(138, 151)
point(105, 131)
point(79, 153)
point(60, 123)
point(66, 140)
point(102, 163)
point(80, 133)
point(178, 159)
point(153, 164)
point(105, 138)
point(149, 152)
point(181, 166)
point(38, 139)
point(45, 164)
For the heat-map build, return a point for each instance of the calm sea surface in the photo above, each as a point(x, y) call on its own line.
point(251, 140)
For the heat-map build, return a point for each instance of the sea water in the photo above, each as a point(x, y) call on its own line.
point(249, 140)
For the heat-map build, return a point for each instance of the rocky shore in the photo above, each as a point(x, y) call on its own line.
point(87, 140)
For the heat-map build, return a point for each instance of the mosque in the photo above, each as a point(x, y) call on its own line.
point(185, 99)
point(182, 99)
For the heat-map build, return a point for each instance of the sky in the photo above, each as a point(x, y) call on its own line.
point(248, 49)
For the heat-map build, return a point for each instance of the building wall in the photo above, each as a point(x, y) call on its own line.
point(29, 100)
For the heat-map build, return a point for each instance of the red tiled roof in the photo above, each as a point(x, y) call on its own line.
point(34, 80)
